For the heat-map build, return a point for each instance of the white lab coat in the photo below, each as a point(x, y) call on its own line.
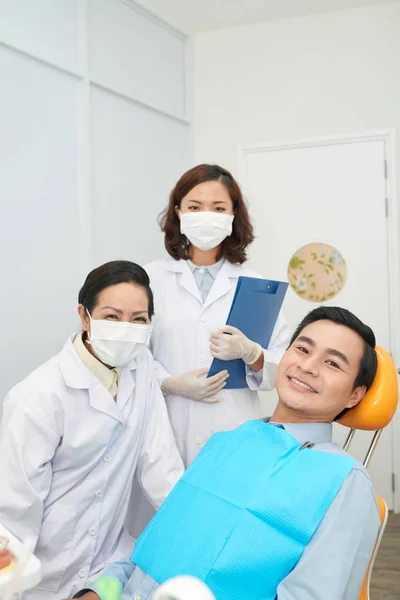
point(182, 325)
point(68, 455)
point(180, 342)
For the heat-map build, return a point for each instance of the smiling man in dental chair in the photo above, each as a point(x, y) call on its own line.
point(274, 510)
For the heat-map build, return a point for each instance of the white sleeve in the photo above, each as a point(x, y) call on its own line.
point(160, 372)
point(27, 445)
point(265, 378)
point(151, 270)
point(160, 465)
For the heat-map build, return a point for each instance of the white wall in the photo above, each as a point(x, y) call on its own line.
point(326, 74)
point(330, 74)
point(94, 131)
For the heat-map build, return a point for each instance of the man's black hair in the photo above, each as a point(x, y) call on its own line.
point(341, 316)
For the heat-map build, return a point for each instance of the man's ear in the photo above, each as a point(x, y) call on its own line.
point(356, 396)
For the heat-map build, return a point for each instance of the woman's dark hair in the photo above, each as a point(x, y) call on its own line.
point(233, 248)
point(341, 316)
point(111, 273)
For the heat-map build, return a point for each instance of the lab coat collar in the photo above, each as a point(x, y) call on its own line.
point(222, 284)
point(316, 433)
point(75, 373)
point(187, 280)
point(78, 376)
point(178, 266)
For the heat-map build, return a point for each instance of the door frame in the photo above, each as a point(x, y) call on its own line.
point(388, 137)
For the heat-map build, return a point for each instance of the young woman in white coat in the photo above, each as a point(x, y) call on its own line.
point(207, 231)
point(76, 431)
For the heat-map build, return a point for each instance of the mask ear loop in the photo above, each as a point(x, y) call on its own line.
point(185, 241)
point(86, 336)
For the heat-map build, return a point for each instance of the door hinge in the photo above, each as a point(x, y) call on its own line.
point(385, 168)
point(393, 482)
point(386, 207)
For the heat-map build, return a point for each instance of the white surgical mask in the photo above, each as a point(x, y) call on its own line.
point(206, 230)
point(116, 343)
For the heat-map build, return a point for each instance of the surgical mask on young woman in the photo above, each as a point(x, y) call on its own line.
point(116, 343)
point(204, 229)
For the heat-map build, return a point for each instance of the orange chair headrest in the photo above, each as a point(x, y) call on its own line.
point(379, 404)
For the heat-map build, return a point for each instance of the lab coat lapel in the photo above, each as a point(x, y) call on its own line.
point(101, 399)
point(76, 375)
point(126, 385)
point(224, 283)
point(185, 277)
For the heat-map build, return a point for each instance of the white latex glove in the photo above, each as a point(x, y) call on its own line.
point(192, 385)
point(184, 587)
point(229, 343)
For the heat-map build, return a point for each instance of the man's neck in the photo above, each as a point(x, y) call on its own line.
point(283, 414)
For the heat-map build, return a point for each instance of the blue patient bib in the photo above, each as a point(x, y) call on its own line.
point(241, 516)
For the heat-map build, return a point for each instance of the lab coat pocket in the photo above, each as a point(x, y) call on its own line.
point(55, 544)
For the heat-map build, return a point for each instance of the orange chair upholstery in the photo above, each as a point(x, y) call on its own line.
point(383, 514)
point(373, 413)
point(379, 404)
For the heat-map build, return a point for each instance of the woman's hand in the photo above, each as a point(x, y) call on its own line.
point(194, 385)
point(229, 343)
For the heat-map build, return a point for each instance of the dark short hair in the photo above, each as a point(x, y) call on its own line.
point(112, 273)
point(233, 248)
point(341, 316)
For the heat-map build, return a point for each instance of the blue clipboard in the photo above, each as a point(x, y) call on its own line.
point(255, 309)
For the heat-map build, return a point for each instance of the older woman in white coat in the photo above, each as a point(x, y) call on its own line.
point(207, 231)
point(76, 431)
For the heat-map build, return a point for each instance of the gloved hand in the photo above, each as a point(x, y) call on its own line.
point(191, 385)
point(228, 343)
point(183, 587)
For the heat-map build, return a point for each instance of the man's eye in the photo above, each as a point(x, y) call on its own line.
point(302, 349)
point(111, 317)
point(333, 364)
point(140, 320)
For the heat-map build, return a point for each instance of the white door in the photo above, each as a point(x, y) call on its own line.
point(332, 193)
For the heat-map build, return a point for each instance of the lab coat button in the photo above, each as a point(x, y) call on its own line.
point(136, 598)
point(99, 494)
point(203, 319)
point(107, 458)
point(202, 358)
point(199, 441)
point(92, 531)
point(82, 573)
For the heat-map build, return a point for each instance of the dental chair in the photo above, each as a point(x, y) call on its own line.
point(374, 412)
